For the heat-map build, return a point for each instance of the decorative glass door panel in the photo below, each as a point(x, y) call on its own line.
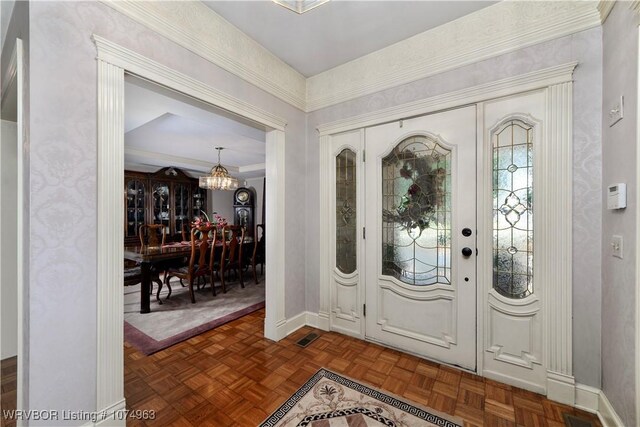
point(420, 235)
point(346, 204)
point(135, 194)
point(181, 207)
point(160, 203)
point(416, 212)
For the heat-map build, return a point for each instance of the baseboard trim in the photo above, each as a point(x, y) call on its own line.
point(561, 388)
point(306, 318)
point(112, 416)
point(587, 398)
point(606, 413)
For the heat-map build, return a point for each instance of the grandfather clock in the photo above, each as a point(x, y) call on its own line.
point(243, 207)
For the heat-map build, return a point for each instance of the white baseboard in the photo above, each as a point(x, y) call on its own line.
point(587, 398)
point(561, 388)
point(318, 320)
point(306, 318)
point(606, 413)
point(112, 416)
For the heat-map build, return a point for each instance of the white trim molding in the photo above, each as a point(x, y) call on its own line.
point(504, 87)
point(606, 413)
point(492, 31)
point(555, 198)
point(110, 375)
point(139, 65)
point(199, 29)
point(113, 62)
point(604, 8)
point(489, 32)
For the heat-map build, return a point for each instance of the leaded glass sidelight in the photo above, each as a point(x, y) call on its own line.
point(416, 212)
point(346, 255)
point(513, 209)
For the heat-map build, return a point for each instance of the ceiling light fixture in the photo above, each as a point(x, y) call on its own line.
point(300, 6)
point(218, 178)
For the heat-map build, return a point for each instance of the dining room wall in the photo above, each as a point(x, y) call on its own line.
point(63, 173)
point(584, 47)
point(220, 202)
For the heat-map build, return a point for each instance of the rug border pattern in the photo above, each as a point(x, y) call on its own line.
point(423, 414)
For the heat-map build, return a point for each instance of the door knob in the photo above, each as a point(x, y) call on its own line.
point(466, 232)
point(467, 252)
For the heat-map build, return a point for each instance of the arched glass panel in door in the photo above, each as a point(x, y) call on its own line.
point(416, 212)
point(513, 209)
point(346, 204)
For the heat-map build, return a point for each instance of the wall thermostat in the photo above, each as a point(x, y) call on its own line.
point(617, 196)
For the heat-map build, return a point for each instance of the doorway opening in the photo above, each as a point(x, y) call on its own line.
point(169, 144)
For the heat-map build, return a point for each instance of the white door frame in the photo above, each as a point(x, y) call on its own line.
point(113, 62)
point(556, 191)
point(14, 74)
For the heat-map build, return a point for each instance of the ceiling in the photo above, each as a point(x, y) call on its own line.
point(164, 128)
point(337, 31)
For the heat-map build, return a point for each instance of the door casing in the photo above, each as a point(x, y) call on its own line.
point(555, 189)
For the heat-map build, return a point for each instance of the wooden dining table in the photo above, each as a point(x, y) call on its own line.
point(150, 256)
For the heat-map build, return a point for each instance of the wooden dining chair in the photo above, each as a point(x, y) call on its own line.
point(149, 235)
point(231, 257)
point(200, 261)
point(258, 251)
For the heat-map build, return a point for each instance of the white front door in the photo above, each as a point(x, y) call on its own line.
point(420, 219)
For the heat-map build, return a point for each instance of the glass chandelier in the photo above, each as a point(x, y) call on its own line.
point(218, 178)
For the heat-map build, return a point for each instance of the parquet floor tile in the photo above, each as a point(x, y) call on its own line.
point(233, 376)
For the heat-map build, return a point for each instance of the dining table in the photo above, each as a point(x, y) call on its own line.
point(155, 256)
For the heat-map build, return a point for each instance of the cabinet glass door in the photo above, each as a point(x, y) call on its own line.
point(199, 201)
point(135, 193)
point(181, 207)
point(160, 198)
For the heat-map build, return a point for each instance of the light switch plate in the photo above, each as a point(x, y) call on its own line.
point(616, 112)
point(616, 246)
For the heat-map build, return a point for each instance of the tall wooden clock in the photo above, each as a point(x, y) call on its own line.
point(243, 209)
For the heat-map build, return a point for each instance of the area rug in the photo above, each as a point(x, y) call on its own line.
point(177, 319)
point(331, 400)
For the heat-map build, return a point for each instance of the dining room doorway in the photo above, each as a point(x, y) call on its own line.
point(170, 142)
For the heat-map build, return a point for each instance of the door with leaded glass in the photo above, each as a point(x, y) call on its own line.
point(420, 219)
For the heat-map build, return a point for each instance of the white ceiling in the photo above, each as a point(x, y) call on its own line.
point(163, 128)
point(337, 31)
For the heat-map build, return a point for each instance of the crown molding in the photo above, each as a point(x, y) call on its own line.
point(504, 87)
point(604, 7)
point(199, 29)
point(498, 29)
point(489, 32)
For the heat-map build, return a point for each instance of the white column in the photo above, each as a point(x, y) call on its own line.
point(110, 364)
point(557, 198)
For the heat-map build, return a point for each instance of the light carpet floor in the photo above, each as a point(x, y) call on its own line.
point(177, 319)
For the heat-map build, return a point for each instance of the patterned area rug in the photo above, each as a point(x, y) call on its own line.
point(331, 400)
point(177, 319)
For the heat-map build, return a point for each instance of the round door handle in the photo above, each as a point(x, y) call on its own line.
point(467, 252)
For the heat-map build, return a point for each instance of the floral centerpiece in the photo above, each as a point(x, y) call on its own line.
point(203, 220)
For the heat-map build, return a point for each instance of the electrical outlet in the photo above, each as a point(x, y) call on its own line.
point(616, 112)
point(616, 246)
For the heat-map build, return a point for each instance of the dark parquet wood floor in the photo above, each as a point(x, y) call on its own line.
point(232, 376)
point(8, 383)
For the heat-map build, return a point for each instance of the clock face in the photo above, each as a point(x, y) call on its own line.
point(242, 196)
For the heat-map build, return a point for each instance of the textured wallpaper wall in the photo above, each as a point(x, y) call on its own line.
point(620, 69)
point(63, 187)
point(584, 47)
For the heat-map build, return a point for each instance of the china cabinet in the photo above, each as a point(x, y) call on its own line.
point(168, 196)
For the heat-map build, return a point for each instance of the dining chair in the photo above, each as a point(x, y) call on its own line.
point(231, 257)
point(258, 251)
point(200, 261)
point(149, 234)
point(133, 276)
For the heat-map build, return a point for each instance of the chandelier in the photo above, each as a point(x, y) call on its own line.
point(218, 178)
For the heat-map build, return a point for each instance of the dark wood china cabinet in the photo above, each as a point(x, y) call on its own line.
point(168, 196)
